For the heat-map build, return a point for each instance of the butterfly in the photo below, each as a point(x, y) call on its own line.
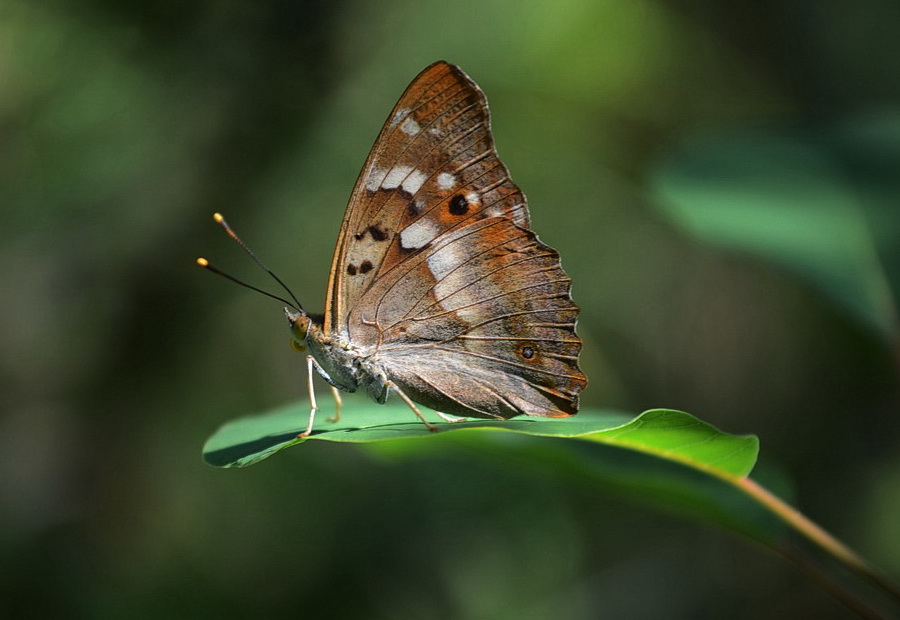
point(439, 291)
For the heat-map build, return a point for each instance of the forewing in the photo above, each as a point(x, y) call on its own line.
point(433, 168)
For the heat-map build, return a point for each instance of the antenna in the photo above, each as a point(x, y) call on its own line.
point(206, 265)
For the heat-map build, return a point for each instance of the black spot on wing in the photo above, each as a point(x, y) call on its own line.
point(459, 205)
point(377, 233)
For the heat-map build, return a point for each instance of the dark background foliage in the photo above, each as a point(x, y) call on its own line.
point(123, 126)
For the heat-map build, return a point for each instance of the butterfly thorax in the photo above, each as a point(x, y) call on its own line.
point(344, 365)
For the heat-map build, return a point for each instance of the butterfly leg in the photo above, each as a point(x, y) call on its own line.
point(312, 397)
point(338, 403)
point(412, 405)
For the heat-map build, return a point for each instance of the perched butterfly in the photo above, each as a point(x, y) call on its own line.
point(439, 291)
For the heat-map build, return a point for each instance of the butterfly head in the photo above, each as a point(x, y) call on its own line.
point(299, 323)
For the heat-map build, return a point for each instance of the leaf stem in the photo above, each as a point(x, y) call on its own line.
point(818, 536)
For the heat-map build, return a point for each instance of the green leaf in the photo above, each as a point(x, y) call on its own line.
point(665, 458)
point(664, 433)
point(681, 437)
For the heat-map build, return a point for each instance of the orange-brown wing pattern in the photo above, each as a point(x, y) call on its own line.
point(432, 168)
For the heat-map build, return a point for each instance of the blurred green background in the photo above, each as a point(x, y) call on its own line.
point(722, 181)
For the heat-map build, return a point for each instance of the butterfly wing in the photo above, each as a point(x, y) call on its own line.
point(432, 168)
point(437, 272)
point(480, 324)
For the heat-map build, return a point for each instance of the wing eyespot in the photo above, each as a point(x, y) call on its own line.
point(458, 205)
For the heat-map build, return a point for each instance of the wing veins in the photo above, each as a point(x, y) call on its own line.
point(367, 213)
point(504, 294)
point(475, 160)
point(438, 302)
point(465, 336)
point(536, 310)
point(508, 315)
point(437, 248)
point(470, 258)
point(502, 361)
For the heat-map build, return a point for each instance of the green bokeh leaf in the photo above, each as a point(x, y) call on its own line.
point(811, 203)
